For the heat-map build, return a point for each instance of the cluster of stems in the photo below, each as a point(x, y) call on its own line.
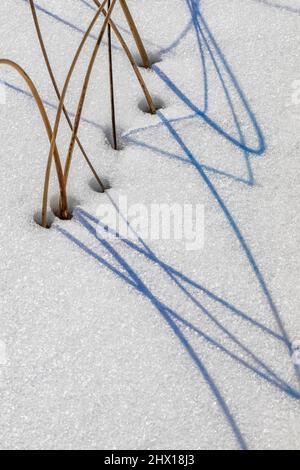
point(104, 9)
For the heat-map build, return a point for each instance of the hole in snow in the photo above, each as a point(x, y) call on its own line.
point(94, 185)
point(154, 58)
point(72, 204)
point(158, 103)
point(38, 219)
point(110, 139)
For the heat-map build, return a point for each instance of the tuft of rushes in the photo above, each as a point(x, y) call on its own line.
point(63, 170)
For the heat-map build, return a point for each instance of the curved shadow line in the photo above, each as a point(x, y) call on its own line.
point(136, 282)
point(234, 226)
point(148, 253)
point(84, 217)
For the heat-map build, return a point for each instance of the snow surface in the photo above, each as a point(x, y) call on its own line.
point(90, 360)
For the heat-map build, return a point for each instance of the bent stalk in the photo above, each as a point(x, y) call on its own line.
point(84, 91)
point(135, 34)
point(56, 89)
point(59, 171)
point(68, 78)
point(130, 57)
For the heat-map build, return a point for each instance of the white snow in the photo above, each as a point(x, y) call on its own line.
point(90, 362)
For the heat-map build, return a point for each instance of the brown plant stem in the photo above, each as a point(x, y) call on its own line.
point(55, 86)
point(84, 91)
point(136, 35)
point(111, 85)
point(130, 57)
point(59, 170)
point(67, 81)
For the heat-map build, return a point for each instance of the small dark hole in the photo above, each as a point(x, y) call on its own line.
point(38, 219)
point(94, 185)
point(158, 103)
point(72, 204)
point(110, 138)
point(154, 58)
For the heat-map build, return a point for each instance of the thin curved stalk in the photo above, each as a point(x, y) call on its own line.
point(55, 86)
point(136, 70)
point(84, 91)
point(57, 160)
point(68, 78)
point(135, 34)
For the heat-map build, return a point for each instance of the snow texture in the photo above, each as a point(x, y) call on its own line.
point(113, 344)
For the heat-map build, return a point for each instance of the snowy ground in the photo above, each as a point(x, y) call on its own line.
point(177, 349)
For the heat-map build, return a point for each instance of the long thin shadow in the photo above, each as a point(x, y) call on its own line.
point(49, 104)
point(278, 6)
point(194, 23)
point(136, 282)
point(148, 253)
point(85, 219)
point(204, 46)
point(162, 51)
point(195, 10)
point(234, 226)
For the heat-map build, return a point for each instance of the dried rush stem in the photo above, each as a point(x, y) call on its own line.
point(136, 35)
point(67, 81)
point(134, 31)
point(84, 91)
point(55, 86)
point(52, 134)
point(46, 122)
point(111, 85)
point(136, 70)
